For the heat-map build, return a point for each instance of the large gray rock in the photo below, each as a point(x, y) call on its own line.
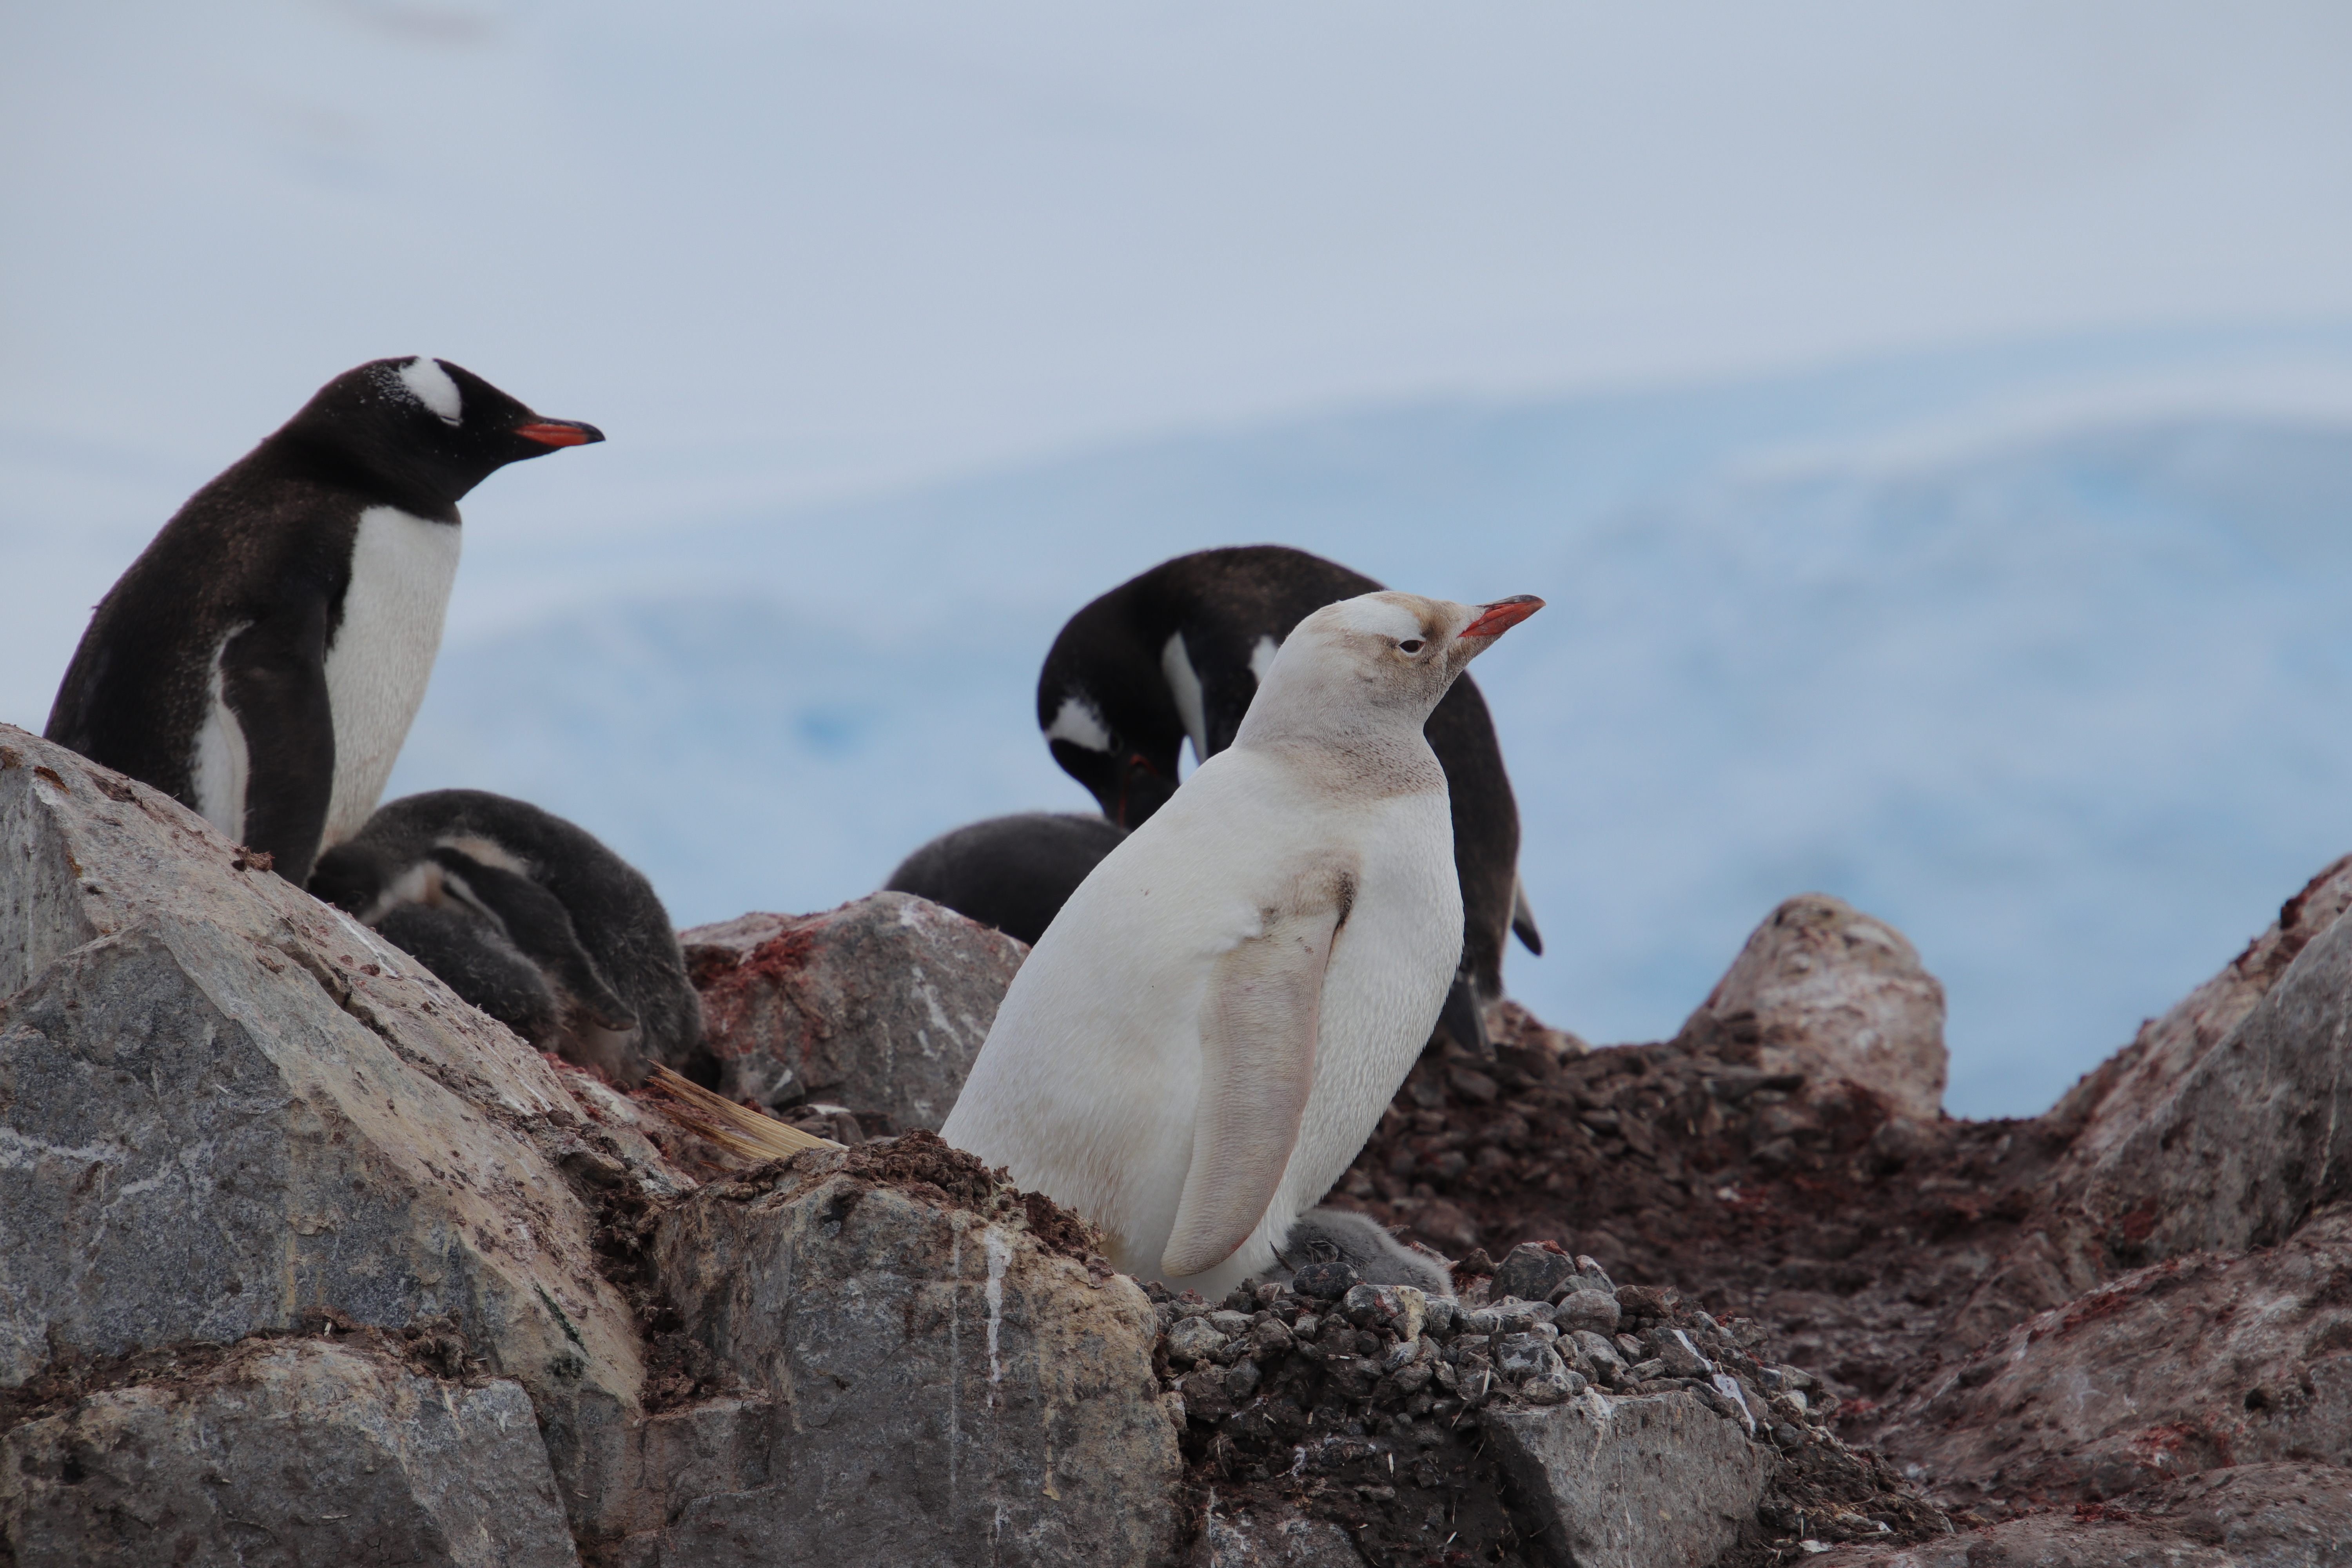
point(2248, 1515)
point(2117, 1098)
point(282, 1453)
point(880, 1006)
point(1656, 1481)
point(2254, 1136)
point(2194, 1363)
point(953, 1384)
point(224, 1106)
point(1824, 990)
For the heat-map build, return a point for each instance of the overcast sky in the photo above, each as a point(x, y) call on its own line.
point(781, 249)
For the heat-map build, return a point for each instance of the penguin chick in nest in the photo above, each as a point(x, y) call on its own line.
point(1364, 1245)
point(1203, 1037)
point(531, 920)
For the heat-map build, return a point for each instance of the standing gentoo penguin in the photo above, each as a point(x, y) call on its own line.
point(1010, 872)
point(262, 659)
point(1176, 654)
point(530, 918)
point(1206, 1035)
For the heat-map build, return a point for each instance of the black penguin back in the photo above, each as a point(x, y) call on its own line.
point(1010, 872)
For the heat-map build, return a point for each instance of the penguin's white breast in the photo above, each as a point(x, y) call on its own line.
point(403, 567)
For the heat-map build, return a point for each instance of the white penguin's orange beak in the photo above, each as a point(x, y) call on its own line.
point(1502, 616)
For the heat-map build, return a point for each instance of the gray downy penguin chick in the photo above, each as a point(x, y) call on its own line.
point(1010, 872)
point(469, 950)
point(528, 883)
point(1204, 1036)
point(1363, 1244)
point(261, 660)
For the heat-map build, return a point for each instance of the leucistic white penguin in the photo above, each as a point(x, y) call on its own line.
point(1209, 1030)
point(261, 660)
point(1176, 654)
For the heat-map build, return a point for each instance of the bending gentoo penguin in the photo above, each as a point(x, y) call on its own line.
point(1010, 872)
point(1207, 1033)
point(1176, 654)
point(261, 660)
point(486, 888)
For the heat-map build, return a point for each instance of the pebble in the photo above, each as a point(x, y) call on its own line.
point(1588, 1308)
point(1193, 1338)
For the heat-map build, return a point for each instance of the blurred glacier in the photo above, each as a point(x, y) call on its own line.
point(2054, 679)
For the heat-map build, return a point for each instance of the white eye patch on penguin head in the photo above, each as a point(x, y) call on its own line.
point(429, 382)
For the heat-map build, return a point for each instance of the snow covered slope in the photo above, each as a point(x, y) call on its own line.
point(2056, 680)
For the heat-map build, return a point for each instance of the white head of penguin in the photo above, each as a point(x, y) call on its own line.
point(1368, 667)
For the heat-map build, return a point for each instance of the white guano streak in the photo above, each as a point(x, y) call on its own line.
point(999, 1253)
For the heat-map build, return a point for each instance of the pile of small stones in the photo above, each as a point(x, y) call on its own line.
point(1363, 1402)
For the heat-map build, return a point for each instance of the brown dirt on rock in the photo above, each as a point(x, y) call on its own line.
point(430, 1347)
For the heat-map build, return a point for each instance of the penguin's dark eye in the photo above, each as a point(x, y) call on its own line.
point(1410, 645)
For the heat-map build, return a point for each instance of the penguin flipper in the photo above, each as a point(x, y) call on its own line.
point(275, 681)
point(1258, 1025)
point(1523, 918)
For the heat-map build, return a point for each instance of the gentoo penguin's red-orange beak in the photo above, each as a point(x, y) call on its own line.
point(560, 432)
point(1502, 616)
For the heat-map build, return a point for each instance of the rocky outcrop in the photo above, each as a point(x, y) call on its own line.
point(307, 1260)
point(1824, 990)
point(2196, 1363)
point(224, 1106)
point(283, 1452)
point(877, 1008)
point(2124, 1091)
point(2250, 1516)
point(954, 1383)
point(1660, 1481)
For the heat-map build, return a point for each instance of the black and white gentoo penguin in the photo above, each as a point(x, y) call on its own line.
point(1177, 653)
point(262, 659)
point(1204, 1038)
point(530, 918)
point(1010, 872)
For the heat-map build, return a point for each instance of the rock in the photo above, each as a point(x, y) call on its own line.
point(1397, 1309)
point(2248, 1515)
point(1270, 1536)
point(1594, 1310)
point(1324, 1281)
point(880, 1005)
point(1195, 1339)
point(2257, 1134)
point(284, 1452)
point(1827, 990)
point(1659, 1481)
point(1533, 1271)
point(227, 1106)
point(2190, 1364)
point(957, 1387)
point(2129, 1088)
